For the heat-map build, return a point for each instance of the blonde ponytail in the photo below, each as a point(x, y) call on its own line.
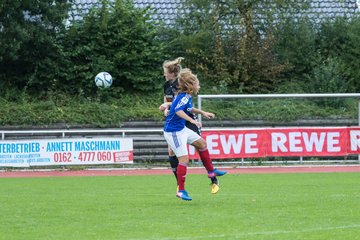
point(173, 66)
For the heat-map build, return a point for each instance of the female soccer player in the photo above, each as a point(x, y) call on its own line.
point(177, 135)
point(171, 71)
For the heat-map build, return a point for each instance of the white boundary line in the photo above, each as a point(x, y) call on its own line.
point(240, 235)
point(165, 168)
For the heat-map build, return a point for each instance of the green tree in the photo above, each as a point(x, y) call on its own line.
point(117, 38)
point(29, 49)
point(344, 47)
point(231, 42)
point(297, 48)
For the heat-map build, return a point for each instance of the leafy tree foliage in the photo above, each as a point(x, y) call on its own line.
point(321, 58)
point(231, 42)
point(40, 54)
point(116, 38)
point(296, 48)
point(235, 46)
point(340, 40)
point(29, 49)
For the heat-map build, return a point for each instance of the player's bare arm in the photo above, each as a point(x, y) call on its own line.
point(208, 115)
point(183, 115)
point(164, 106)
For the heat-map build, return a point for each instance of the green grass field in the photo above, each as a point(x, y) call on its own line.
point(249, 206)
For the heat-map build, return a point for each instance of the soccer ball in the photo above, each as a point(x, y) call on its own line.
point(103, 80)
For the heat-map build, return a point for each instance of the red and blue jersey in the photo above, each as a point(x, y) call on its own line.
point(174, 123)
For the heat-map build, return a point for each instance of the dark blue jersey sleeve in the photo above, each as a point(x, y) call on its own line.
point(184, 103)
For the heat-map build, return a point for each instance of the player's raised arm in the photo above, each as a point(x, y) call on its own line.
point(208, 115)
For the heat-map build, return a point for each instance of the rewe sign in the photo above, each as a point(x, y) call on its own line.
point(241, 143)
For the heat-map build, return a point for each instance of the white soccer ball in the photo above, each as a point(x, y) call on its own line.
point(103, 80)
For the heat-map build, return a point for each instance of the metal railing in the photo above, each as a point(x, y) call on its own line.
point(67, 133)
point(262, 96)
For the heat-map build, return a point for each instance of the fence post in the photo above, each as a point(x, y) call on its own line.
point(199, 107)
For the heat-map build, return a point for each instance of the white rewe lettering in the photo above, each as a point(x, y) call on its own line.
point(294, 141)
point(298, 140)
point(212, 144)
point(355, 140)
point(332, 140)
point(250, 143)
point(278, 142)
point(231, 143)
point(314, 140)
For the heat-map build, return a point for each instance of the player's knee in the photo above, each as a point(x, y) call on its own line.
point(200, 144)
point(171, 152)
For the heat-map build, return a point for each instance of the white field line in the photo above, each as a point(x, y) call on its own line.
point(191, 167)
point(240, 235)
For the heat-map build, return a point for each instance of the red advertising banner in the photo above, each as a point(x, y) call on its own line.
point(354, 140)
point(307, 142)
point(248, 143)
